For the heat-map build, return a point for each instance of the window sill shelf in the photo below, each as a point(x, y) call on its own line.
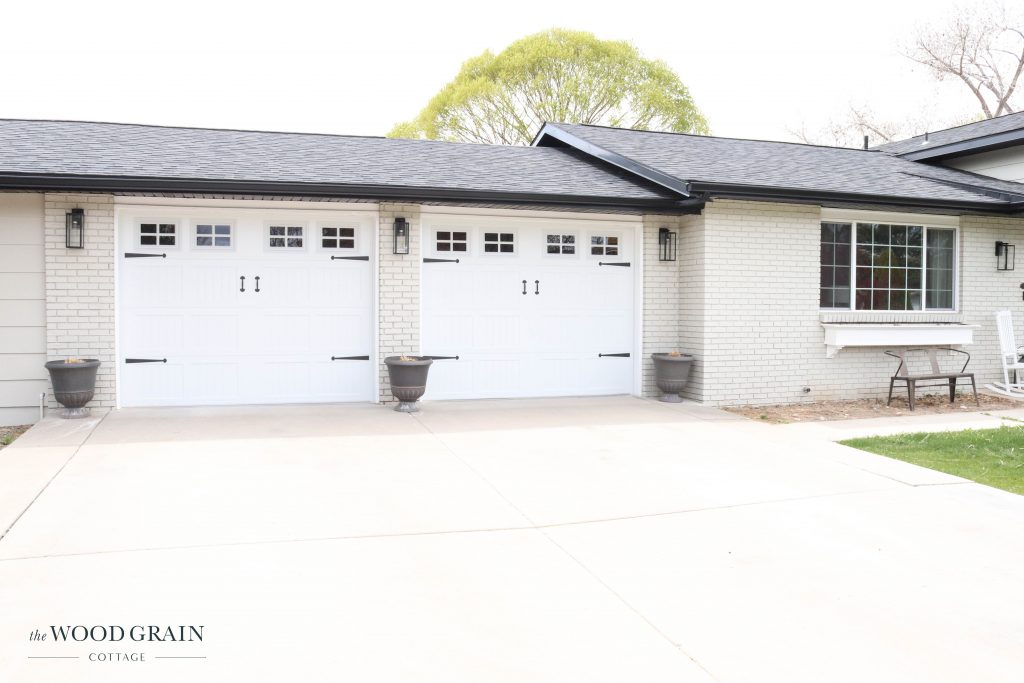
point(841, 335)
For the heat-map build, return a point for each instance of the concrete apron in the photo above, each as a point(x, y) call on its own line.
point(571, 539)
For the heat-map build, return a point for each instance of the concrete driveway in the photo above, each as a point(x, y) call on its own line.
point(607, 539)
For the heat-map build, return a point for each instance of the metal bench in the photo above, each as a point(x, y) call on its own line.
point(913, 380)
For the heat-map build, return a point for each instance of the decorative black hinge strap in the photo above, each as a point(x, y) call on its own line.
point(439, 357)
point(440, 260)
point(613, 355)
point(131, 254)
point(145, 360)
point(350, 358)
point(350, 258)
point(624, 264)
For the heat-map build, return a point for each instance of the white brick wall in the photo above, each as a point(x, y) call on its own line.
point(80, 288)
point(398, 290)
point(761, 339)
point(692, 255)
point(662, 307)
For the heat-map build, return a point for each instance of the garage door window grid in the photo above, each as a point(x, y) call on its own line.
point(213, 235)
point(499, 243)
point(287, 237)
point(604, 245)
point(334, 237)
point(560, 243)
point(449, 240)
point(158, 234)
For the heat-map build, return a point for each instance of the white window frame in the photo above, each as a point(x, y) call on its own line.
point(194, 235)
point(286, 223)
point(926, 222)
point(179, 232)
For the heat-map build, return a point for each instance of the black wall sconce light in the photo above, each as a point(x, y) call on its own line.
point(666, 245)
point(1004, 256)
point(401, 236)
point(74, 229)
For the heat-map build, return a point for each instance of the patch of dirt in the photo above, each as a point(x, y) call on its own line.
point(864, 408)
point(9, 434)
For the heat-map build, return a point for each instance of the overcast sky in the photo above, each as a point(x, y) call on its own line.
point(756, 69)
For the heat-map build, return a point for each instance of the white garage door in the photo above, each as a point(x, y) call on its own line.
point(530, 307)
point(239, 307)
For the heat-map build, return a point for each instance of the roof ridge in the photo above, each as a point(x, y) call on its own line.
point(249, 130)
point(716, 137)
point(961, 125)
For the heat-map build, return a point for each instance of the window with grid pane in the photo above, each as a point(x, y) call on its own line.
point(210, 235)
point(446, 240)
point(499, 243)
point(287, 236)
point(890, 264)
point(337, 238)
point(887, 267)
point(561, 244)
point(158, 234)
point(835, 265)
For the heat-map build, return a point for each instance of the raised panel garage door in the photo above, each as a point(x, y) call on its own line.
point(531, 308)
point(243, 307)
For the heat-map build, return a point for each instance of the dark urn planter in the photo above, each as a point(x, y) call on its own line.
point(408, 380)
point(671, 373)
point(74, 385)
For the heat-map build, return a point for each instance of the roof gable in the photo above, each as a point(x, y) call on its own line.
point(764, 168)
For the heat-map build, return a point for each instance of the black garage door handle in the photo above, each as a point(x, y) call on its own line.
point(130, 361)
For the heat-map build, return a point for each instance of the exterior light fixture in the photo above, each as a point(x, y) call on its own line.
point(401, 236)
point(666, 245)
point(1004, 256)
point(74, 229)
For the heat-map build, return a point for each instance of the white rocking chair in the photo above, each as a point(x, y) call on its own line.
point(1009, 354)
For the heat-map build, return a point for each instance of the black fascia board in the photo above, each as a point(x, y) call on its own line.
point(41, 182)
point(755, 192)
point(552, 131)
point(950, 150)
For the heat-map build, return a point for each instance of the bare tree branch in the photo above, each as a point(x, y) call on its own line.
point(980, 46)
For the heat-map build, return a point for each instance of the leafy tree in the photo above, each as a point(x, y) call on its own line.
point(556, 75)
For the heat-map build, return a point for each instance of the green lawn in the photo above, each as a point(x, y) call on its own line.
point(988, 456)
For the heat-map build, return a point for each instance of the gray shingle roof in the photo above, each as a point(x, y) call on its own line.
point(969, 131)
point(136, 151)
point(790, 166)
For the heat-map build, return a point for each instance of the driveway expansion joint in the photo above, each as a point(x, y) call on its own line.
point(55, 475)
point(444, 532)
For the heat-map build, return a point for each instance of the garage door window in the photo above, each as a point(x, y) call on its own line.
point(158, 234)
point(213, 235)
point(499, 243)
point(287, 237)
point(604, 245)
point(446, 240)
point(561, 244)
point(337, 238)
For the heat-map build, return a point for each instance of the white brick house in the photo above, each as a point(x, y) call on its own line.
point(228, 267)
